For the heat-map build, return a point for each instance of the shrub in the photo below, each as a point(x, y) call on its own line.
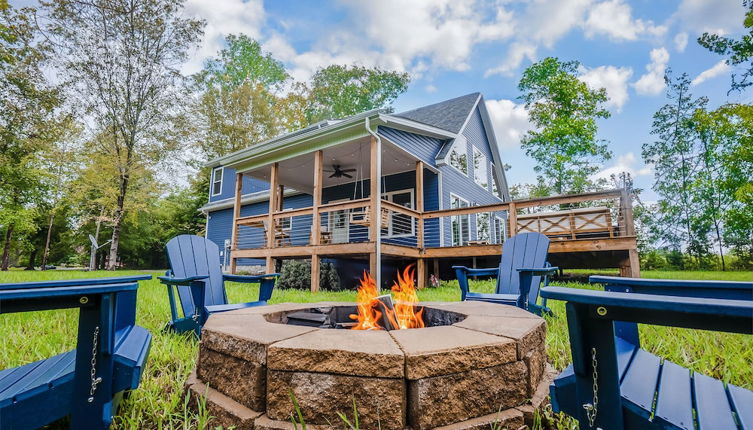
point(296, 274)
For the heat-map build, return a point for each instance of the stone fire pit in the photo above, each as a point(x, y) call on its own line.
point(480, 363)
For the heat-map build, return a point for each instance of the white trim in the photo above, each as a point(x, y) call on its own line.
point(390, 228)
point(489, 225)
point(473, 110)
point(475, 149)
point(452, 148)
point(344, 212)
point(468, 204)
point(214, 180)
point(413, 126)
point(495, 150)
point(259, 196)
point(441, 206)
point(503, 224)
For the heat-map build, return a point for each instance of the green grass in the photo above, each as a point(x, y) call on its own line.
point(159, 403)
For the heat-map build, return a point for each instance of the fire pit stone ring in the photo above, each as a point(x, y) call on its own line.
point(473, 365)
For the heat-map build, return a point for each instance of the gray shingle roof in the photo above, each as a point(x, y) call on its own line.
point(448, 115)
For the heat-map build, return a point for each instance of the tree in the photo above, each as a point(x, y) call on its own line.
point(27, 124)
point(563, 110)
point(120, 59)
point(238, 97)
point(738, 52)
point(338, 91)
point(674, 157)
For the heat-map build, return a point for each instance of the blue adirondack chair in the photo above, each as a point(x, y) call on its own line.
point(521, 271)
point(195, 272)
point(87, 383)
point(636, 389)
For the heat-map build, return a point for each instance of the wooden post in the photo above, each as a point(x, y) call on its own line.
point(373, 264)
point(421, 263)
point(273, 188)
point(627, 201)
point(374, 217)
point(236, 215)
point(436, 267)
point(316, 223)
point(513, 218)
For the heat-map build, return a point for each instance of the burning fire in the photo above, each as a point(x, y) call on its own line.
point(398, 312)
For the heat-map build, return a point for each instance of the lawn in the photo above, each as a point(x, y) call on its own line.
point(159, 403)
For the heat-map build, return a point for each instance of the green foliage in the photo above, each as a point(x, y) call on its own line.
point(339, 91)
point(738, 51)
point(243, 62)
point(296, 274)
point(160, 400)
point(563, 111)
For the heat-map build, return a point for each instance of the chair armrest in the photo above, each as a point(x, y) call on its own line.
point(169, 280)
point(544, 271)
point(477, 272)
point(690, 312)
point(25, 299)
point(675, 287)
point(247, 279)
point(75, 282)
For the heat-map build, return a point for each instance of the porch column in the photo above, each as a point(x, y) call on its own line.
point(376, 210)
point(421, 263)
point(315, 221)
point(236, 215)
point(273, 184)
point(513, 218)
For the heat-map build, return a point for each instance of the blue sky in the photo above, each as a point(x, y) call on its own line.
point(454, 47)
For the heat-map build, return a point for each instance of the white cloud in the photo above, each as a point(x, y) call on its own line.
point(652, 82)
point(430, 88)
point(542, 23)
point(510, 122)
point(613, 79)
point(719, 68)
point(681, 41)
point(715, 16)
point(614, 19)
point(223, 18)
point(625, 163)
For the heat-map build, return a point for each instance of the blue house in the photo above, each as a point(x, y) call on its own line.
point(372, 191)
point(451, 142)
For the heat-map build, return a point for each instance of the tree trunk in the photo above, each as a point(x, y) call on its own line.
point(6, 248)
point(32, 260)
point(112, 262)
point(719, 239)
point(47, 242)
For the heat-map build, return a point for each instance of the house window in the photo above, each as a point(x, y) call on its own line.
point(480, 172)
point(459, 156)
point(483, 233)
point(495, 187)
point(499, 229)
point(460, 223)
point(286, 224)
point(217, 180)
point(400, 224)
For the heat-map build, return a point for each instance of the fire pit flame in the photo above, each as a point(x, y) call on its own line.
point(379, 312)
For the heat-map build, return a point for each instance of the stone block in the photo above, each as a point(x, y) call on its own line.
point(527, 332)
point(444, 350)
point(535, 360)
point(511, 419)
point(243, 381)
point(321, 396)
point(343, 352)
point(448, 399)
point(224, 411)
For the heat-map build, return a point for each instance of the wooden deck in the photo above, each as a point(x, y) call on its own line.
point(590, 230)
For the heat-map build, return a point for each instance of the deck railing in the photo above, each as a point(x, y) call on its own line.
point(603, 214)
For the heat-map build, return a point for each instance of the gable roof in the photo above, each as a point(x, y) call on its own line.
point(448, 115)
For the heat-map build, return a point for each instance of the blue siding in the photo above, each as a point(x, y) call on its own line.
point(250, 185)
point(423, 147)
point(464, 186)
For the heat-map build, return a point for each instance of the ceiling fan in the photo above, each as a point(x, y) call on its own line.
point(338, 172)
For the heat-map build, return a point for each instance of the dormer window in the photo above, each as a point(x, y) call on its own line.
point(217, 181)
point(459, 156)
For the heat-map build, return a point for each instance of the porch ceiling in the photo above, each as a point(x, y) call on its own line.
point(298, 172)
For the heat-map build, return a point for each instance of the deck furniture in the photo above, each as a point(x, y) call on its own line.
point(569, 224)
point(636, 389)
point(195, 272)
point(87, 383)
point(522, 270)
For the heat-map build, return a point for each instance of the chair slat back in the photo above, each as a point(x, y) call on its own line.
point(524, 250)
point(190, 255)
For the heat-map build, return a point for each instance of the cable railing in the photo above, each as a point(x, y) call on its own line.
point(598, 215)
